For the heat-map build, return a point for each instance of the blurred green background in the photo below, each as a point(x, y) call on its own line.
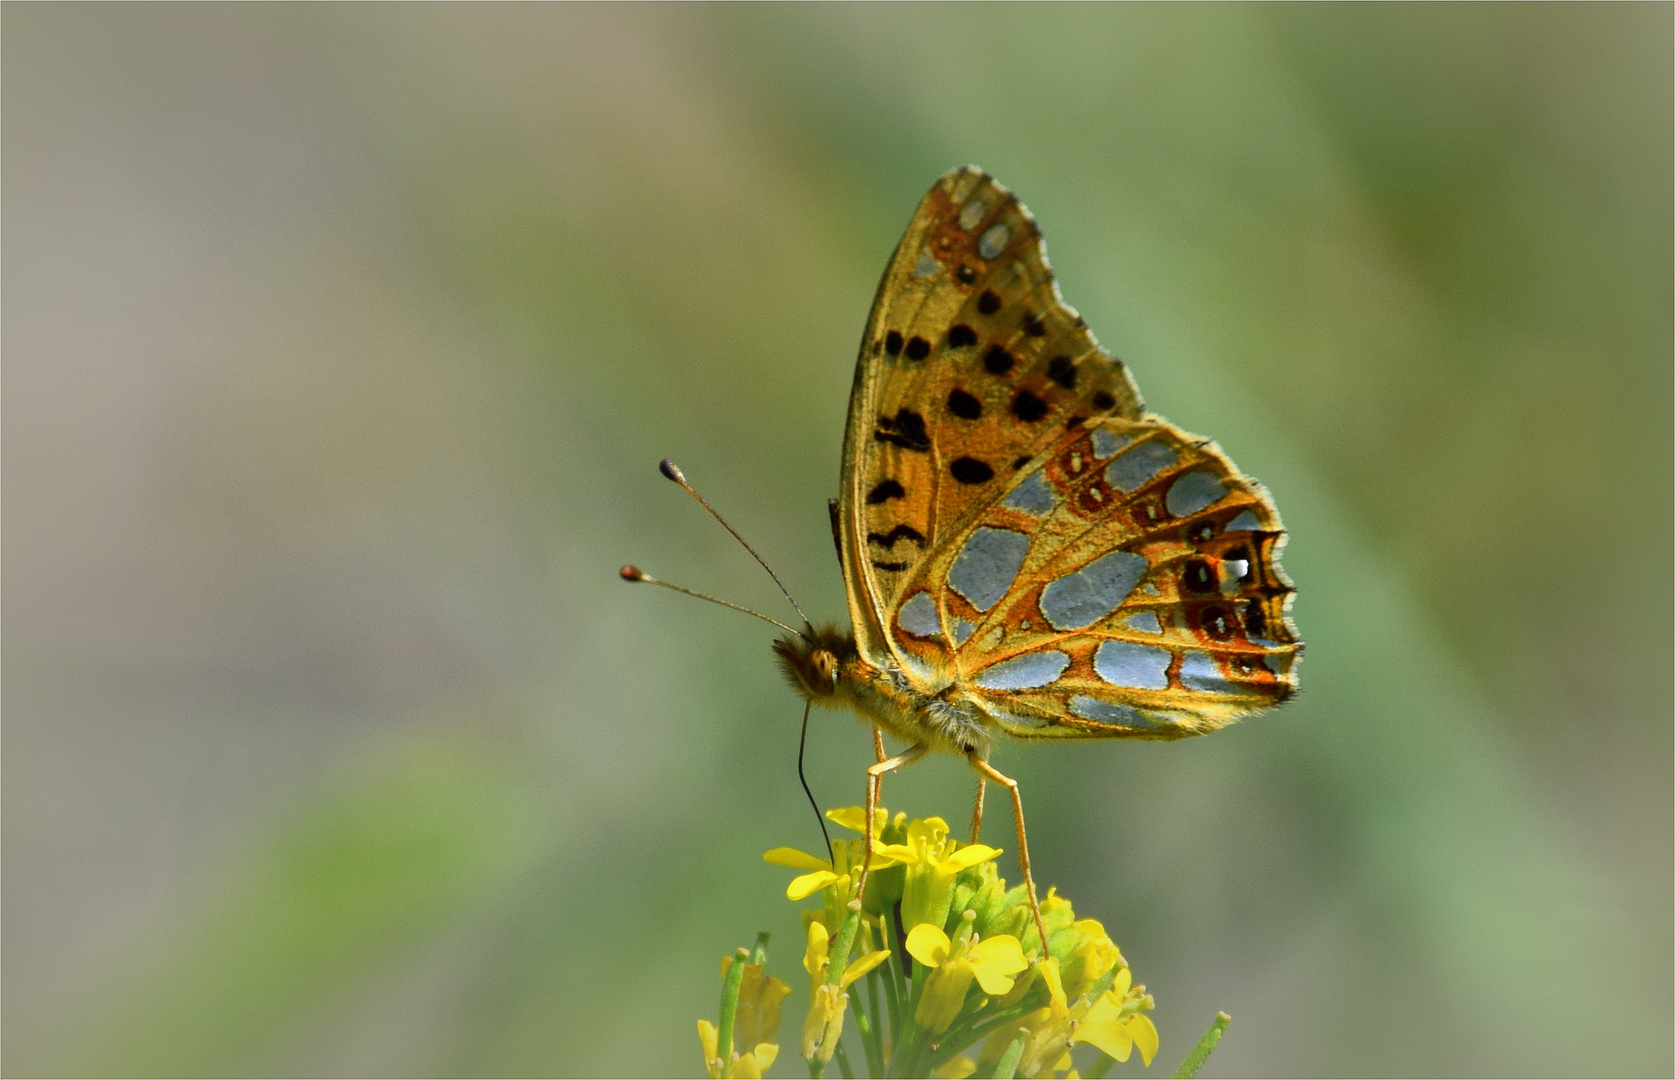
point(341, 344)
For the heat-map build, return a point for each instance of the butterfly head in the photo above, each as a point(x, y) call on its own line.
point(813, 663)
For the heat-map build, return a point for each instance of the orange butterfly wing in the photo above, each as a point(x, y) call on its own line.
point(978, 528)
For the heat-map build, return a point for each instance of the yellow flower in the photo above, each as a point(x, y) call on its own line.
point(759, 997)
point(953, 965)
point(837, 871)
point(932, 860)
point(823, 1026)
point(1115, 1023)
point(749, 1066)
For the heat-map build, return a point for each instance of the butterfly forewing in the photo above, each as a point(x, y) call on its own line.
point(971, 366)
point(1017, 533)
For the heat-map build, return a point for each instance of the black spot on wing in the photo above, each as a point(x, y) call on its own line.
point(918, 348)
point(968, 470)
point(1197, 577)
point(1062, 371)
point(900, 532)
point(960, 335)
point(988, 303)
point(906, 429)
point(884, 491)
point(998, 361)
point(1034, 327)
point(963, 405)
point(892, 342)
point(1103, 401)
point(889, 565)
point(1028, 408)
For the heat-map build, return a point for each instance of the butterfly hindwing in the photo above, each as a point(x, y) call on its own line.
point(971, 366)
point(1148, 602)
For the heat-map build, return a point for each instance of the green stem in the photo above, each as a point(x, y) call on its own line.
point(841, 944)
point(843, 1063)
point(863, 1024)
point(730, 1007)
point(875, 1049)
point(816, 1070)
point(1008, 1065)
point(888, 976)
point(1101, 1065)
point(1201, 1053)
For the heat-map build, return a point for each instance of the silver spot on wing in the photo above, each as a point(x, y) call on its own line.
point(919, 616)
point(1024, 672)
point(1123, 663)
point(993, 242)
point(1193, 492)
point(1091, 708)
point(987, 565)
point(1135, 468)
point(1093, 592)
point(1033, 496)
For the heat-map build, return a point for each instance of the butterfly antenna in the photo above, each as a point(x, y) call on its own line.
point(634, 573)
point(669, 469)
point(802, 741)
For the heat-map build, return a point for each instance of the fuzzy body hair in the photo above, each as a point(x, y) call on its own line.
point(828, 670)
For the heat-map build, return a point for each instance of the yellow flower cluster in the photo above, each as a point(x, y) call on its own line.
point(952, 961)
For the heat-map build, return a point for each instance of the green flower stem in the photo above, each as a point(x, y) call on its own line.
point(1101, 1065)
point(885, 976)
point(1206, 1046)
point(1008, 1065)
point(730, 1008)
point(842, 943)
point(842, 1057)
point(863, 1024)
point(967, 1034)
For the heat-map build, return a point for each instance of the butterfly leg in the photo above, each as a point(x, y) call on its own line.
point(877, 790)
point(977, 808)
point(984, 769)
point(875, 781)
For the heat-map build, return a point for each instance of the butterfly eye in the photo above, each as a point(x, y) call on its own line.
point(825, 669)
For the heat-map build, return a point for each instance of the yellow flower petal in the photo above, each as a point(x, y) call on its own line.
point(995, 960)
point(1120, 985)
point(895, 853)
point(967, 857)
point(860, 967)
point(854, 818)
point(1109, 1035)
point(957, 1069)
point(796, 860)
point(710, 1038)
point(814, 957)
point(808, 884)
point(1055, 985)
point(928, 944)
point(1144, 1033)
point(751, 1066)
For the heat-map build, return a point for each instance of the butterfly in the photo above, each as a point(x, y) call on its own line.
point(1027, 552)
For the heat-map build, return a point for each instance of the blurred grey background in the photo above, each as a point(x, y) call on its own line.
point(340, 345)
